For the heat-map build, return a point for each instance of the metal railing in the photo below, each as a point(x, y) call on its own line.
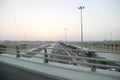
point(91, 62)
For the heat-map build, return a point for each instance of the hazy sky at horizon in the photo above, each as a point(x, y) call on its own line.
point(47, 19)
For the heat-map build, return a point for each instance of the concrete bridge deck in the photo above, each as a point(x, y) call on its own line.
point(19, 69)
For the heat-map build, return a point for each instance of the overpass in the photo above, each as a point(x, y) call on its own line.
point(40, 66)
point(12, 68)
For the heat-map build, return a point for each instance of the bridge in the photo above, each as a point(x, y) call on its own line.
point(43, 67)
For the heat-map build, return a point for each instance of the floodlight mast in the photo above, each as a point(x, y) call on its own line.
point(65, 34)
point(80, 8)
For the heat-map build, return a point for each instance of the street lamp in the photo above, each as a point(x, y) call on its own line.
point(65, 34)
point(80, 8)
point(111, 36)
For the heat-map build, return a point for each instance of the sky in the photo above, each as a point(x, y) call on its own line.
point(47, 20)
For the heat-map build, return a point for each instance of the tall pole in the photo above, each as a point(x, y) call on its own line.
point(80, 8)
point(111, 36)
point(65, 34)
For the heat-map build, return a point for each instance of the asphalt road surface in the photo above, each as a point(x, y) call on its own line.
point(9, 72)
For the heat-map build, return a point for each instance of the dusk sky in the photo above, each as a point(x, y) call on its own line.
point(47, 19)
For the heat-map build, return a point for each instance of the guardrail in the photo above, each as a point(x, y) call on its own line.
point(46, 58)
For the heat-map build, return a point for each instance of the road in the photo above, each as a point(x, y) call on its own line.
point(9, 72)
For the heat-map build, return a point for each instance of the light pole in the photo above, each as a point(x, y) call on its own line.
point(80, 8)
point(111, 36)
point(65, 34)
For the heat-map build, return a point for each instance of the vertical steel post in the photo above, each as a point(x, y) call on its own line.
point(93, 68)
point(17, 52)
point(45, 56)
